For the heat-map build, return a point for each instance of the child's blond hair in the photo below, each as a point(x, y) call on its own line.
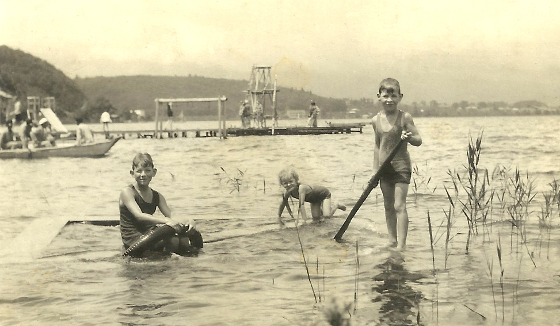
point(143, 160)
point(288, 173)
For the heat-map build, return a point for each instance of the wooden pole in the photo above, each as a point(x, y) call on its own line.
point(156, 118)
point(372, 183)
point(274, 113)
point(224, 130)
point(220, 118)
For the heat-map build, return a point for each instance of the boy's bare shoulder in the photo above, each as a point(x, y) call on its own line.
point(127, 190)
point(407, 116)
point(374, 119)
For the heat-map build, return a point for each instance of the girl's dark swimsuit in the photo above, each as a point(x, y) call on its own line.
point(317, 194)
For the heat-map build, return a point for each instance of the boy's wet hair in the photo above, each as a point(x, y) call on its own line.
point(389, 85)
point(143, 160)
point(287, 174)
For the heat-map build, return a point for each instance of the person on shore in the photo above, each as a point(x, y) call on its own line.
point(318, 197)
point(83, 133)
point(313, 114)
point(241, 112)
point(258, 114)
point(137, 204)
point(245, 111)
point(105, 120)
point(8, 139)
point(23, 130)
point(17, 106)
point(390, 125)
point(169, 124)
point(41, 134)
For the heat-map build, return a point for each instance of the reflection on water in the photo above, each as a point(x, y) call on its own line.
point(255, 274)
point(399, 301)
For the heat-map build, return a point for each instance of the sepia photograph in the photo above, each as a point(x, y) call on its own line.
point(280, 162)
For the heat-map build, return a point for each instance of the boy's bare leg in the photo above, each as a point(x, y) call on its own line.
point(401, 190)
point(388, 190)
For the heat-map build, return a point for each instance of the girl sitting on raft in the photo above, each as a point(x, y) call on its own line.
point(140, 230)
point(318, 197)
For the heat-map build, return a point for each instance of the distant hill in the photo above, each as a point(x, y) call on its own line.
point(24, 75)
point(127, 93)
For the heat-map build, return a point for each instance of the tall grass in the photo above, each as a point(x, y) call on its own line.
point(551, 203)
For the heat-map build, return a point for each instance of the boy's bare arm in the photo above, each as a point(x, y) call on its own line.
point(375, 152)
point(411, 133)
point(166, 211)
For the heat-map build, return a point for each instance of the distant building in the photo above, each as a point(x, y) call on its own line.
point(296, 114)
point(4, 105)
point(353, 113)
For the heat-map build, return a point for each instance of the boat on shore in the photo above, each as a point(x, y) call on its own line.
point(97, 149)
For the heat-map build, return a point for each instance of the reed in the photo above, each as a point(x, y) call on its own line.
point(490, 265)
point(551, 202)
point(235, 182)
point(303, 254)
point(356, 278)
point(475, 207)
point(432, 244)
point(448, 220)
point(318, 279)
point(521, 191)
point(499, 251)
point(420, 180)
point(472, 191)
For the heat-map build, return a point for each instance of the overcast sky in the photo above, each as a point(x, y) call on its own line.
point(439, 50)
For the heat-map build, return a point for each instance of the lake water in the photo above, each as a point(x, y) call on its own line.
point(230, 188)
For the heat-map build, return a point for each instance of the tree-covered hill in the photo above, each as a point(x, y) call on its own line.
point(127, 93)
point(24, 75)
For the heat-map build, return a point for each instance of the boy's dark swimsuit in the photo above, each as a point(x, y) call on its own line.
point(139, 237)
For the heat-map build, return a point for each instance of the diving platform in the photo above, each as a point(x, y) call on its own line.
point(237, 131)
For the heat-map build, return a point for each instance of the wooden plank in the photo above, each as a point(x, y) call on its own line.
point(29, 244)
point(183, 100)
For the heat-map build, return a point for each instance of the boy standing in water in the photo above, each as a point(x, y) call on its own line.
point(318, 197)
point(391, 125)
point(138, 203)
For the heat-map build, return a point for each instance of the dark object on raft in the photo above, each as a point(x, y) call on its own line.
point(161, 232)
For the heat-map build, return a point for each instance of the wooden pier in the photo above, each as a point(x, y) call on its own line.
point(235, 131)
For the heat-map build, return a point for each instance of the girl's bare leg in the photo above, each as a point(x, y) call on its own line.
point(316, 210)
point(330, 209)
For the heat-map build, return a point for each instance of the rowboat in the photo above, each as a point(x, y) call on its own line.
point(97, 149)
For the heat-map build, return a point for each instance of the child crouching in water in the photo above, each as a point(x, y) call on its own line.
point(138, 203)
point(318, 197)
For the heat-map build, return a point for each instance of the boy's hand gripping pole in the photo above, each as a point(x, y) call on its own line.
point(372, 183)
